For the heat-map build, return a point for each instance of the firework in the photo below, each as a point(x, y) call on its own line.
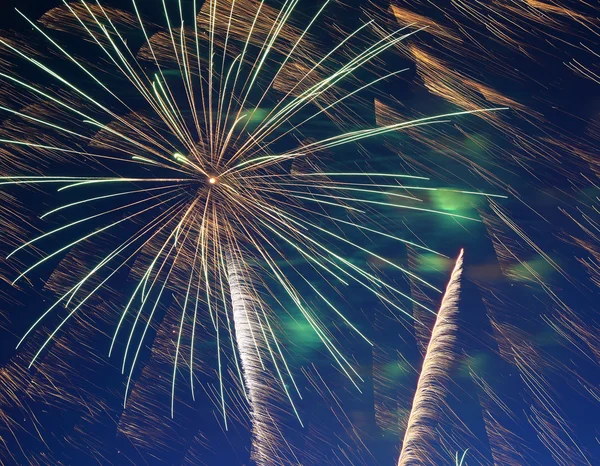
point(209, 162)
point(433, 378)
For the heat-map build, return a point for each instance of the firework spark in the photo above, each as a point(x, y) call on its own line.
point(433, 378)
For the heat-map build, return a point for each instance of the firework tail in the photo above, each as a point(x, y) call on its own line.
point(431, 387)
point(251, 342)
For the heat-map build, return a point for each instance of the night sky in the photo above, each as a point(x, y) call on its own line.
point(524, 380)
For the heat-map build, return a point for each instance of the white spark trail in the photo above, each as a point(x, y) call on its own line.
point(431, 390)
point(251, 340)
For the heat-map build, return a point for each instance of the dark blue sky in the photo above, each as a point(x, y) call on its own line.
point(525, 376)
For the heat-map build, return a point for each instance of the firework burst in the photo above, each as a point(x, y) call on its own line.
point(213, 163)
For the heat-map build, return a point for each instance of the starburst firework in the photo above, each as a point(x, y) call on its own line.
point(210, 169)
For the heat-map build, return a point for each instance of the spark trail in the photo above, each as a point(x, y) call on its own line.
point(428, 401)
point(250, 320)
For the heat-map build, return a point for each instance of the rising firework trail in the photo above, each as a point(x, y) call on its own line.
point(428, 402)
point(248, 316)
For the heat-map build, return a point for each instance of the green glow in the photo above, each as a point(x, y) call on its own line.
point(433, 263)
point(539, 266)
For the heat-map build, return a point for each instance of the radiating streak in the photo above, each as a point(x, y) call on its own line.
point(336, 103)
point(368, 133)
point(322, 86)
point(83, 94)
point(367, 275)
point(149, 320)
point(123, 180)
point(285, 61)
point(104, 261)
point(337, 266)
point(77, 222)
point(263, 54)
point(335, 309)
point(387, 204)
point(358, 135)
point(407, 272)
point(242, 56)
point(143, 282)
point(344, 188)
point(183, 314)
point(388, 175)
point(89, 235)
point(345, 70)
point(296, 299)
point(381, 233)
point(76, 308)
point(268, 123)
point(294, 296)
point(172, 103)
point(222, 90)
point(71, 58)
point(201, 242)
point(320, 201)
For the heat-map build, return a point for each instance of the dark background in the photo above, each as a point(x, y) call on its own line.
point(80, 419)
